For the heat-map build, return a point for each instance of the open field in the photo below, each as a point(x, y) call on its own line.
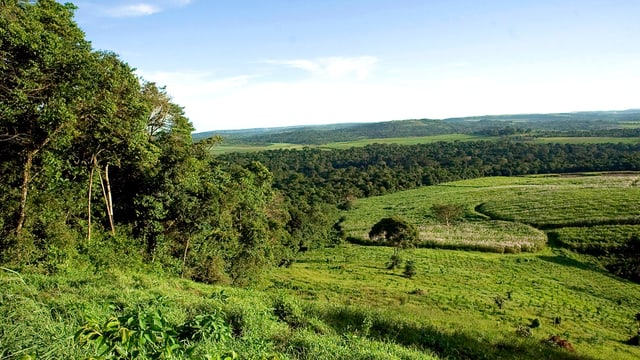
point(227, 148)
point(405, 140)
point(454, 293)
point(588, 140)
point(342, 302)
point(223, 148)
point(544, 201)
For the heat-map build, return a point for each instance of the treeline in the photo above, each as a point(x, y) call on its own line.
point(340, 175)
point(604, 123)
point(98, 167)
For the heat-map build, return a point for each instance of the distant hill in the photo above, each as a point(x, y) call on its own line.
point(569, 124)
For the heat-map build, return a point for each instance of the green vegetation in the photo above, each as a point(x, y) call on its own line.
point(121, 238)
point(588, 140)
point(339, 302)
point(578, 127)
point(594, 240)
point(335, 176)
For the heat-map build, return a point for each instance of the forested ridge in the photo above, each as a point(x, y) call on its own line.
point(339, 175)
point(525, 126)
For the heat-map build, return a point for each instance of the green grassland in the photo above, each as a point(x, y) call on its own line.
point(594, 240)
point(588, 140)
point(453, 297)
point(343, 302)
point(245, 147)
point(489, 202)
point(223, 148)
point(405, 140)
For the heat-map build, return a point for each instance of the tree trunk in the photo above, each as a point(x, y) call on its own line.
point(93, 167)
point(184, 256)
point(26, 179)
point(106, 200)
point(109, 200)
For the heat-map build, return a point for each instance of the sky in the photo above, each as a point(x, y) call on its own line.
point(239, 64)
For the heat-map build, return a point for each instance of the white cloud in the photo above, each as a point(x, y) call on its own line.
point(134, 10)
point(143, 8)
point(333, 67)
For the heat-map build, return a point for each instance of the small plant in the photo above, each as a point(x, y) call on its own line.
point(447, 213)
point(523, 331)
point(499, 301)
point(557, 321)
point(289, 311)
point(394, 261)
point(409, 269)
point(636, 339)
point(417, 292)
point(150, 335)
point(535, 323)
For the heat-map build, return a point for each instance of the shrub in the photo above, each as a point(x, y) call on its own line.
point(447, 213)
point(409, 269)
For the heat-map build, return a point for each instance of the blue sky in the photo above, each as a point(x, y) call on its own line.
point(264, 63)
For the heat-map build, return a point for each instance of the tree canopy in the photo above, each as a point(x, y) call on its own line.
point(98, 165)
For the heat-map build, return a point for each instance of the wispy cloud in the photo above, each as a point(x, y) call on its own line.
point(124, 10)
point(333, 67)
point(134, 10)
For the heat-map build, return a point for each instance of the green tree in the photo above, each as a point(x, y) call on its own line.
point(396, 232)
point(41, 52)
point(111, 127)
point(447, 213)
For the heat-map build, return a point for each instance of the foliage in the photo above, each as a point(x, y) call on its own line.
point(409, 269)
point(150, 335)
point(98, 156)
point(316, 175)
point(447, 213)
point(395, 231)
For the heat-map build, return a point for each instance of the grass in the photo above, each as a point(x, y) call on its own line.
point(595, 240)
point(342, 302)
point(520, 201)
point(405, 140)
point(223, 148)
point(452, 297)
point(588, 140)
point(227, 148)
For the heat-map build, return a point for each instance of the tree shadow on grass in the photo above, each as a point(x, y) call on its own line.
point(582, 265)
point(454, 345)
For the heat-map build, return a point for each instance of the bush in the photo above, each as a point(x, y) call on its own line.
point(409, 269)
point(396, 232)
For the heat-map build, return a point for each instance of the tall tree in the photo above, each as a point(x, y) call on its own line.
point(41, 53)
point(111, 125)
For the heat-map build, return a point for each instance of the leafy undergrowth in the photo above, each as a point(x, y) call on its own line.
point(338, 303)
point(134, 315)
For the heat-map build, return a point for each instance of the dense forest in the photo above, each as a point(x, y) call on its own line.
point(98, 165)
point(337, 176)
